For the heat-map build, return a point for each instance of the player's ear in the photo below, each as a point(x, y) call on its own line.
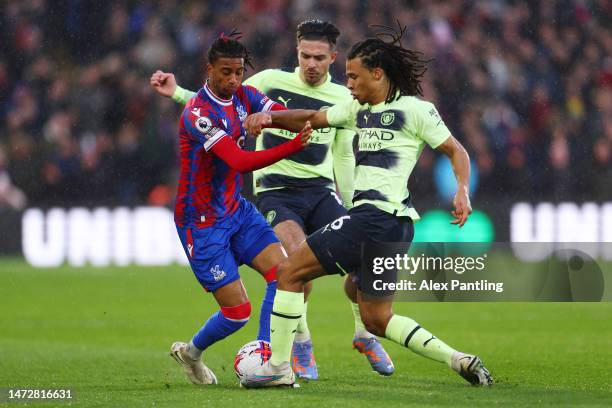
point(377, 73)
point(209, 69)
point(334, 54)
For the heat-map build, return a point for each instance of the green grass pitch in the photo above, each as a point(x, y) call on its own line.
point(106, 334)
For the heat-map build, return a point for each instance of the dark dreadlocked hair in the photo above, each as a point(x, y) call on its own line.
point(229, 46)
point(318, 30)
point(404, 67)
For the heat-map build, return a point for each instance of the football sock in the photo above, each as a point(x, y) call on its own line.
point(266, 305)
point(221, 324)
point(193, 351)
point(288, 307)
point(303, 333)
point(360, 330)
point(408, 333)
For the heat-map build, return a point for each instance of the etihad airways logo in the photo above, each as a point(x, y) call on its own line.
point(375, 134)
point(374, 139)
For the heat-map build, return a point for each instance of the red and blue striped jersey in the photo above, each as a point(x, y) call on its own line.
point(208, 189)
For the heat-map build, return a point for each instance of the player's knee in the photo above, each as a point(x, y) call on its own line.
point(270, 274)
point(286, 274)
point(307, 290)
point(350, 288)
point(375, 327)
point(237, 314)
point(375, 323)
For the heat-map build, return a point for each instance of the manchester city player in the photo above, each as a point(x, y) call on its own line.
point(384, 79)
point(220, 230)
point(297, 195)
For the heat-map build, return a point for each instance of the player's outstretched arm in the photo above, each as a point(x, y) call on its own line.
point(290, 119)
point(244, 161)
point(165, 84)
point(460, 161)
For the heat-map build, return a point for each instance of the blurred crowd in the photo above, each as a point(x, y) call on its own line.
point(526, 86)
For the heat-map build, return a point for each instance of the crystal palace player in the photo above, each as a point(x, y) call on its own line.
point(297, 195)
point(220, 230)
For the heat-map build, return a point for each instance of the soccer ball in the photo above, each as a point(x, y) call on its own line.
point(250, 357)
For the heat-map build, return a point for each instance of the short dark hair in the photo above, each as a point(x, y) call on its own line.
point(318, 30)
point(228, 46)
point(403, 66)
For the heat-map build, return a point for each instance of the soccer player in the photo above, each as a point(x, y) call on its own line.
point(219, 229)
point(297, 195)
point(393, 126)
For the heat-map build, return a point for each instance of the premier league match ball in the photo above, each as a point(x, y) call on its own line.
point(250, 357)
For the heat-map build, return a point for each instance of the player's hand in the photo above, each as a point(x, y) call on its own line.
point(164, 83)
point(255, 122)
point(463, 207)
point(305, 134)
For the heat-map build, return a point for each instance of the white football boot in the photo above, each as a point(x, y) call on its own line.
point(196, 371)
point(471, 368)
point(269, 375)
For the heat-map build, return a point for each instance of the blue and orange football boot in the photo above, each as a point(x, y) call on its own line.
point(303, 361)
point(375, 353)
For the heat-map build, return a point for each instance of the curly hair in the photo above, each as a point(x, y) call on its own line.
point(403, 67)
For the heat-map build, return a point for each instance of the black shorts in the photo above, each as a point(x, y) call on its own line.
point(311, 207)
point(339, 245)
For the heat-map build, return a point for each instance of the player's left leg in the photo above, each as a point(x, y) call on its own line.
point(380, 320)
point(265, 262)
point(256, 245)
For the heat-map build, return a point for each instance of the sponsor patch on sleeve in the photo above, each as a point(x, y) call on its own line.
point(203, 124)
point(211, 133)
point(267, 104)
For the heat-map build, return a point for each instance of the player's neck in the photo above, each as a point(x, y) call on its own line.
point(379, 95)
point(377, 98)
point(215, 92)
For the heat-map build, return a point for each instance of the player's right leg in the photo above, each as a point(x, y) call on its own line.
point(332, 249)
point(234, 314)
point(217, 271)
point(303, 361)
point(301, 266)
point(286, 211)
